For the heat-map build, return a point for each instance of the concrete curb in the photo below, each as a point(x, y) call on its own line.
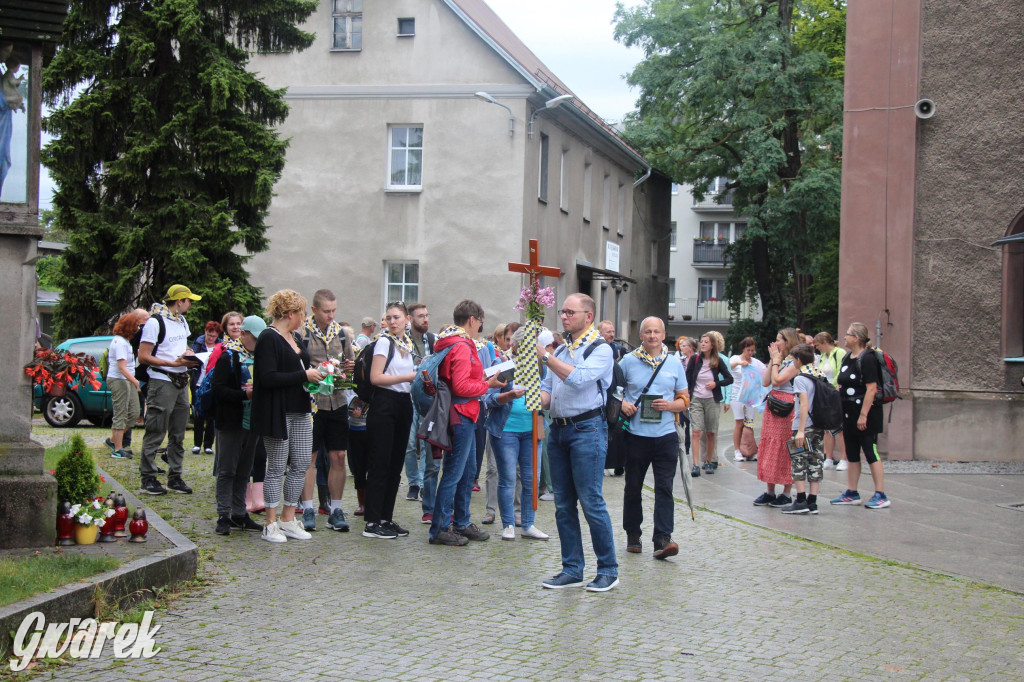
point(78, 599)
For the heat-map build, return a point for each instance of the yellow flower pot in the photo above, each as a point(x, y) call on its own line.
point(86, 535)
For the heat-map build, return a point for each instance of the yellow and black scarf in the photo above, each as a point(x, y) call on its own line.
point(642, 353)
point(587, 337)
point(165, 312)
point(455, 330)
point(333, 330)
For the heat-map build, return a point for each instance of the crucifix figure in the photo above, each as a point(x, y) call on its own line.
point(527, 366)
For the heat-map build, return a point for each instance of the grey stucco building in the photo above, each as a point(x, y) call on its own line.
point(403, 183)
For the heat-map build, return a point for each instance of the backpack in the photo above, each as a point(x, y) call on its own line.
point(420, 399)
point(142, 368)
point(204, 392)
point(888, 383)
point(361, 373)
point(826, 408)
point(618, 384)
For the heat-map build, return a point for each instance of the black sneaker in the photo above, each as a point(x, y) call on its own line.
point(378, 530)
point(796, 508)
point(812, 508)
point(223, 526)
point(414, 493)
point(781, 501)
point(151, 486)
point(449, 537)
point(179, 486)
point(695, 472)
point(709, 468)
point(399, 531)
point(765, 499)
point(245, 522)
point(714, 465)
point(472, 532)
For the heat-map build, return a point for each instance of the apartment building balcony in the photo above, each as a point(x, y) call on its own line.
point(686, 310)
point(712, 203)
point(709, 254)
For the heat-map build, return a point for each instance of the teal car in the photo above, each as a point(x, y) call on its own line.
point(80, 401)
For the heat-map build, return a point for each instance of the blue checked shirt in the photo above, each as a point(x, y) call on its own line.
point(580, 392)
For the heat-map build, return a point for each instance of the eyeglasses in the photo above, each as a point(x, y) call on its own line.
point(849, 334)
point(570, 313)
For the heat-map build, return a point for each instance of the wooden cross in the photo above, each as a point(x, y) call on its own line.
point(534, 269)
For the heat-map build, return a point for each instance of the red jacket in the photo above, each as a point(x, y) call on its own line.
point(462, 371)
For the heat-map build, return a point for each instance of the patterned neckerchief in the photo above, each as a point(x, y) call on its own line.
point(455, 330)
point(165, 312)
point(812, 370)
point(403, 342)
point(588, 336)
point(333, 330)
point(642, 353)
point(236, 345)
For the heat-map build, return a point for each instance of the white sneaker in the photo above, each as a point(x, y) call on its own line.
point(547, 497)
point(272, 533)
point(509, 533)
point(828, 464)
point(738, 456)
point(195, 450)
point(533, 533)
point(293, 529)
point(843, 465)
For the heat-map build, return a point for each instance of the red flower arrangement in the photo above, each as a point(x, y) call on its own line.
point(50, 368)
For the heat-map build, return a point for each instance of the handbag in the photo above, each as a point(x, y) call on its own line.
point(780, 408)
point(622, 422)
point(748, 444)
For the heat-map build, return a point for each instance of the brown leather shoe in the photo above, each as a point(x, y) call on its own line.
point(664, 548)
point(633, 545)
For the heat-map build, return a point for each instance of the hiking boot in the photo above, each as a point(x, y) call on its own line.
point(471, 532)
point(244, 522)
point(764, 500)
point(336, 521)
point(151, 486)
point(223, 526)
point(309, 520)
point(664, 547)
point(633, 544)
point(179, 486)
point(488, 519)
point(395, 528)
point(449, 537)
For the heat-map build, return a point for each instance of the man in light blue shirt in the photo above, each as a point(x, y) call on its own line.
point(651, 440)
point(574, 388)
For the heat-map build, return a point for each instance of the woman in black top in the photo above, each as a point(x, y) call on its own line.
point(281, 412)
point(859, 379)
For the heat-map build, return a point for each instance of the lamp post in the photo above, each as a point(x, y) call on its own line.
point(550, 104)
point(28, 496)
point(486, 97)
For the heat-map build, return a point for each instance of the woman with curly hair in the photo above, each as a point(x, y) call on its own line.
point(280, 412)
point(773, 460)
point(124, 387)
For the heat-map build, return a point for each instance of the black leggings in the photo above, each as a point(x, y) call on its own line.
point(857, 441)
point(358, 448)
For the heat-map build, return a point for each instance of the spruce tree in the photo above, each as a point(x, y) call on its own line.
point(165, 152)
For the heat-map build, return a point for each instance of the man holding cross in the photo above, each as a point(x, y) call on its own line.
point(574, 389)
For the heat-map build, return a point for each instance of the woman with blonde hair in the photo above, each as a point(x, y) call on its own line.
point(280, 412)
point(773, 461)
point(707, 373)
point(859, 379)
point(830, 358)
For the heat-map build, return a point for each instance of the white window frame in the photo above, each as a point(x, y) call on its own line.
point(409, 290)
point(351, 11)
point(392, 127)
point(716, 284)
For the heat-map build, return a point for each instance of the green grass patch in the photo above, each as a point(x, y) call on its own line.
point(25, 576)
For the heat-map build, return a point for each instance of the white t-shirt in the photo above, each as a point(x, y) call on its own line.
point(174, 344)
point(120, 349)
point(803, 387)
point(737, 370)
point(398, 366)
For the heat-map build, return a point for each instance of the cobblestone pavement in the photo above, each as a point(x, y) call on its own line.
point(738, 603)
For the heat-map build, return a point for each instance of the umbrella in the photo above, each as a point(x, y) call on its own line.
point(684, 467)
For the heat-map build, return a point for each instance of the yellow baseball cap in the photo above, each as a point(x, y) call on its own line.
point(179, 291)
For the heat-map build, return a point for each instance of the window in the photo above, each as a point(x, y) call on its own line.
point(675, 188)
point(671, 292)
point(606, 202)
point(673, 243)
point(621, 223)
point(1013, 291)
point(405, 158)
point(563, 183)
point(542, 175)
point(737, 231)
point(402, 281)
point(347, 16)
point(708, 289)
point(588, 176)
point(722, 233)
point(406, 27)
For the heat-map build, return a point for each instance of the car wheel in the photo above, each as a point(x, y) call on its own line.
point(62, 411)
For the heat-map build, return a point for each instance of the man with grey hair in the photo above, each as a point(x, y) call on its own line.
point(368, 325)
point(655, 391)
point(579, 373)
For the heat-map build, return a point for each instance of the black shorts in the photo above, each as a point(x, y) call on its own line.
point(330, 429)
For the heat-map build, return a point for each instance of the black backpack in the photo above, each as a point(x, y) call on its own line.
point(826, 409)
point(361, 373)
point(142, 370)
point(618, 378)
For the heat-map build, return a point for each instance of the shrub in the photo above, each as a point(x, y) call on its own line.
point(76, 475)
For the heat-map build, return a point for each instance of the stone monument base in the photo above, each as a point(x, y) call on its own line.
point(28, 498)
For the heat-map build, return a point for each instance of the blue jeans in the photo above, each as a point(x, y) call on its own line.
point(429, 466)
point(576, 457)
point(456, 485)
point(510, 451)
point(414, 453)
